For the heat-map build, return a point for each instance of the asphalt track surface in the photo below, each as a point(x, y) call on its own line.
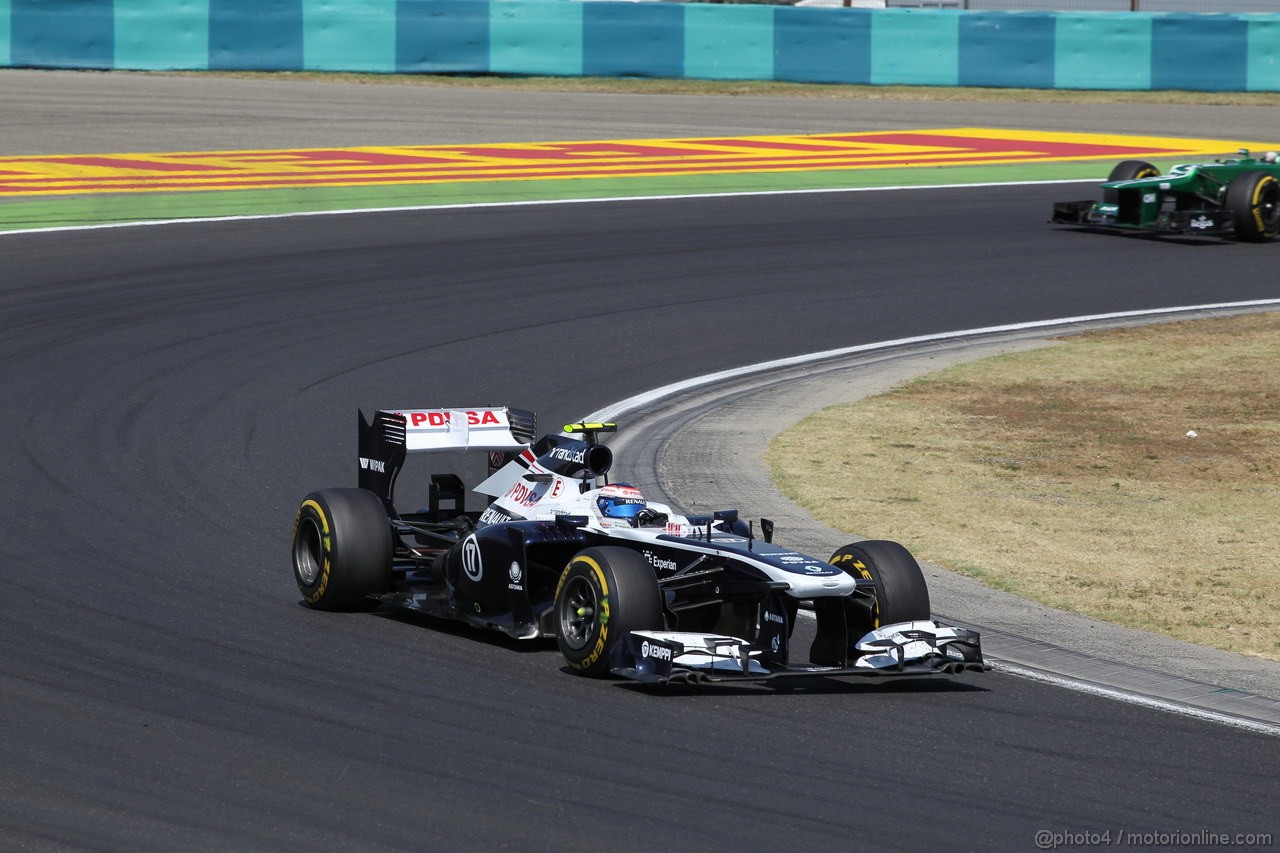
point(174, 391)
point(54, 112)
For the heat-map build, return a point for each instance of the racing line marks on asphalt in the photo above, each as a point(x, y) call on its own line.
point(648, 398)
point(82, 174)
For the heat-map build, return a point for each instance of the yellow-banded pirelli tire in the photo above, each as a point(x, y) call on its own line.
point(1254, 201)
point(901, 592)
point(603, 594)
point(1127, 170)
point(342, 549)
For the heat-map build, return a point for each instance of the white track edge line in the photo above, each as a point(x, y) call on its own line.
point(649, 397)
point(1169, 705)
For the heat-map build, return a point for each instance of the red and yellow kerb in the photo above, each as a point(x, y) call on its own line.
point(623, 158)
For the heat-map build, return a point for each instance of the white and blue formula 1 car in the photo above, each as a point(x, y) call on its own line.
point(626, 586)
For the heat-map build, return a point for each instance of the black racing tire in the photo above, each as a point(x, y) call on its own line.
point(901, 592)
point(342, 549)
point(1254, 201)
point(603, 594)
point(1127, 170)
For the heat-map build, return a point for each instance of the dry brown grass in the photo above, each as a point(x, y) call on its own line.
point(1067, 475)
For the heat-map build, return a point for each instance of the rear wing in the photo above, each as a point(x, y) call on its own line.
point(384, 441)
point(498, 428)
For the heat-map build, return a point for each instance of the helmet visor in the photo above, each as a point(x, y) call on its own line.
point(616, 507)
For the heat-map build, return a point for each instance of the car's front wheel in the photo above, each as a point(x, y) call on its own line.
point(901, 592)
point(603, 594)
point(341, 549)
point(1254, 201)
point(1127, 170)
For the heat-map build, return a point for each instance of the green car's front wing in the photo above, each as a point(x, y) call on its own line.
point(1215, 222)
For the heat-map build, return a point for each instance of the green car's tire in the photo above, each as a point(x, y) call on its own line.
point(1127, 170)
point(1254, 201)
point(603, 594)
point(342, 549)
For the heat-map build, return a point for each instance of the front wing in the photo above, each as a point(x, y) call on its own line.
point(907, 648)
point(1099, 214)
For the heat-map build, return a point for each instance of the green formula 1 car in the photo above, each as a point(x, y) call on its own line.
point(1237, 198)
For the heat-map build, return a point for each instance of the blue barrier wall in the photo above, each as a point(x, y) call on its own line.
point(1106, 50)
point(62, 33)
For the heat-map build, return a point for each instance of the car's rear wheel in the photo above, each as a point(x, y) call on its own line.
point(1254, 201)
point(1127, 170)
point(603, 594)
point(901, 592)
point(342, 549)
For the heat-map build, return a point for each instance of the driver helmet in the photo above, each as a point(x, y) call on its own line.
point(620, 500)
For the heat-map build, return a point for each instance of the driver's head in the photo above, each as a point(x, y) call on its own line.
point(620, 500)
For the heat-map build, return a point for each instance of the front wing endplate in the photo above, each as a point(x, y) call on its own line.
point(907, 648)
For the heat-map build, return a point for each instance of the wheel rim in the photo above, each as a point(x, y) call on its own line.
point(1268, 205)
point(308, 551)
point(577, 616)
